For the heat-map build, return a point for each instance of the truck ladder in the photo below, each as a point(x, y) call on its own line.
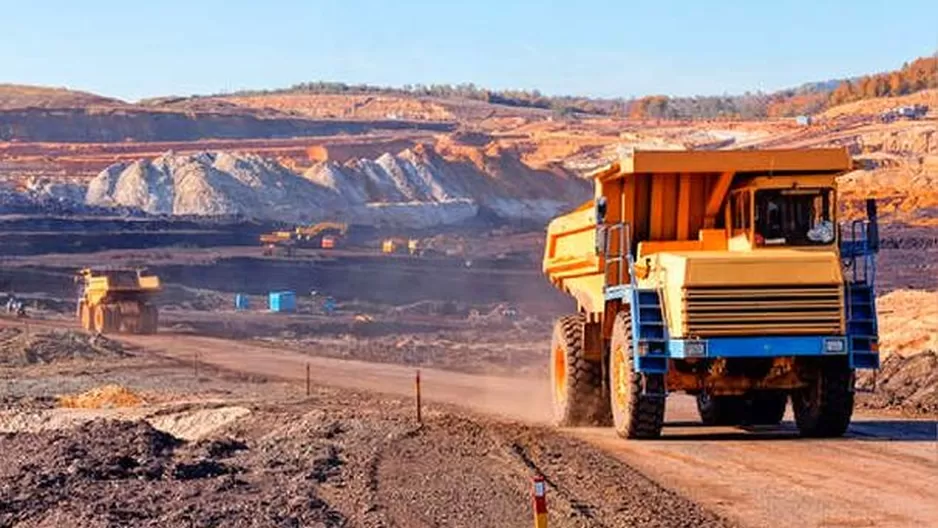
point(859, 264)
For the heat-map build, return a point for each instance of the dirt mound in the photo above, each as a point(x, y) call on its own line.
point(53, 465)
point(417, 187)
point(481, 177)
point(98, 450)
point(909, 384)
point(19, 348)
point(106, 397)
point(198, 424)
point(209, 184)
point(908, 322)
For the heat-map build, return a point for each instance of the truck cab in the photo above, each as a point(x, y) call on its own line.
point(720, 274)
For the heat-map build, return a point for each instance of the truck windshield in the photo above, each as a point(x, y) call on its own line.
point(794, 217)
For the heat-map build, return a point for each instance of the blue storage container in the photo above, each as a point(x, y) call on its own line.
point(242, 302)
point(284, 301)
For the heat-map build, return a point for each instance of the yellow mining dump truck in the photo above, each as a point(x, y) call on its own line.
point(278, 239)
point(118, 300)
point(410, 246)
point(722, 274)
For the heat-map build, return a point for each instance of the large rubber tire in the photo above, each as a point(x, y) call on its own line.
point(115, 318)
point(766, 408)
point(102, 319)
point(576, 383)
point(634, 414)
point(721, 410)
point(823, 409)
point(149, 319)
point(84, 315)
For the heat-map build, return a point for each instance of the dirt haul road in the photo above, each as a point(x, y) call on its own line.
point(884, 473)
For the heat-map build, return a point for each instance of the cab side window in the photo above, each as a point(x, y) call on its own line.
point(740, 207)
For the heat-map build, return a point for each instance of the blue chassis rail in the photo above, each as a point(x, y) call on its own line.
point(739, 347)
point(661, 348)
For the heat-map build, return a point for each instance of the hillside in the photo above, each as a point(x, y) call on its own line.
point(16, 96)
point(319, 99)
point(878, 105)
point(117, 124)
point(40, 114)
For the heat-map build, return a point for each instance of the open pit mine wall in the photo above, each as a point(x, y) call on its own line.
point(114, 125)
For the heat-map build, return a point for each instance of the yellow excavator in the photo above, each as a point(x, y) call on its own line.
point(324, 235)
point(118, 300)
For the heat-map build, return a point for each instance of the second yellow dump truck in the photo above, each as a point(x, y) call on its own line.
point(723, 274)
point(118, 301)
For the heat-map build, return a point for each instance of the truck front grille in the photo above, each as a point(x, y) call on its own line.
point(762, 310)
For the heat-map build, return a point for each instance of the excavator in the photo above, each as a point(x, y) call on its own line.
point(324, 235)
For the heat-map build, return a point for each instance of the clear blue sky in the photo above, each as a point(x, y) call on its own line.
point(589, 47)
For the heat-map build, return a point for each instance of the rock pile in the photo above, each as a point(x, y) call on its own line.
point(416, 187)
point(18, 348)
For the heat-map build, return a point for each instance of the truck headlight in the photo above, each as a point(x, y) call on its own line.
point(834, 346)
point(695, 348)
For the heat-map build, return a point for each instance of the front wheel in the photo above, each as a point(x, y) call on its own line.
point(101, 319)
point(84, 315)
point(636, 413)
point(824, 407)
point(576, 382)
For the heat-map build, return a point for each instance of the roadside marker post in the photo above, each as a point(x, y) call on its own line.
point(417, 389)
point(307, 380)
point(540, 502)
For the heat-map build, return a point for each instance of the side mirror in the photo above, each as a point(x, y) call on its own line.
point(600, 228)
point(872, 230)
point(600, 210)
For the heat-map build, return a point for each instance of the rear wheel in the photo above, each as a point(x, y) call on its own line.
point(149, 319)
point(760, 408)
point(576, 383)
point(825, 406)
point(721, 410)
point(766, 408)
point(635, 414)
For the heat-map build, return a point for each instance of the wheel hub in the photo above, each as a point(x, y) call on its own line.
point(619, 376)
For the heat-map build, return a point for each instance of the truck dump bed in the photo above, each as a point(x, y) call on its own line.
point(669, 200)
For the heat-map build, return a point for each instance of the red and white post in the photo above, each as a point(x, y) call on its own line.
point(540, 502)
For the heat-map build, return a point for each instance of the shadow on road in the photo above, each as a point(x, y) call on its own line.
point(895, 430)
point(860, 430)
